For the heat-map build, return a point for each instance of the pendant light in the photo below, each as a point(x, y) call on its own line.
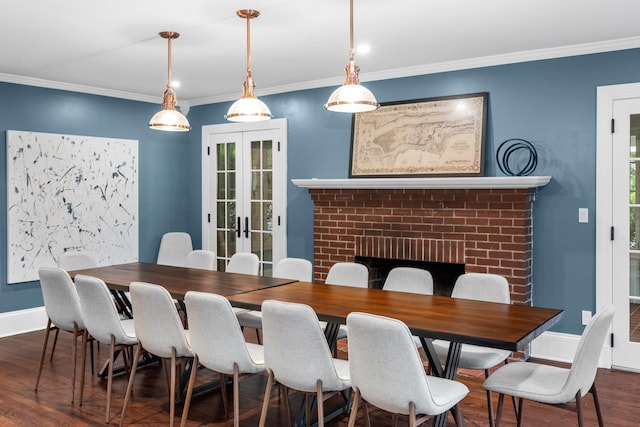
point(248, 108)
point(169, 119)
point(351, 97)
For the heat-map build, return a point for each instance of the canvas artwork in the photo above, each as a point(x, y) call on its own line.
point(69, 193)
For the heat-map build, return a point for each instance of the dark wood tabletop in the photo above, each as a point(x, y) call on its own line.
point(505, 326)
point(179, 280)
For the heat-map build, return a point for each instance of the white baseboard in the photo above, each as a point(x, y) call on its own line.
point(562, 348)
point(22, 321)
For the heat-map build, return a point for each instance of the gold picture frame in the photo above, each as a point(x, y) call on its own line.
point(425, 137)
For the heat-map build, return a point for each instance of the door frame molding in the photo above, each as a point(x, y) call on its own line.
point(273, 124)
point(606, 96)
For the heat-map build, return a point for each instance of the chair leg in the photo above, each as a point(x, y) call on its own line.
point(223, 391)
point(236, 396)
point(112, 352)
point(307, 410)
point(320, 403)
point(596, 402)
point(85, 338)
point(489, 402)
point(55, 341)
point(172, 392)
point(284, 394)
point(74, 351)
point(499, 412)
point(265, 403)
point(366, 414)
point(520, 408)
point(412, 414)
point(579, 409)
point(354, 408)
point(127, 396)
point(258, 336)
point(42, 353)
point(187, 400)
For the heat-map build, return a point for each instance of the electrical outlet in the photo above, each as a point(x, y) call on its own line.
point(586, 316)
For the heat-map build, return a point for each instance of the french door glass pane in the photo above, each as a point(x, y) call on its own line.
point(634, 229)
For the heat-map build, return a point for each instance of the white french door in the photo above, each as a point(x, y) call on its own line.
point(244, 191)
point(626, 233)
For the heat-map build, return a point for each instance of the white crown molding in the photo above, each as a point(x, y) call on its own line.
point(486, 61)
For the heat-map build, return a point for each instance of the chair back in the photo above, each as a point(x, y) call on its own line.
point(99, 311)
point(60, 297)
point(385, 365)
point(585, 363)
point(244, 263)
point(409, 279)
point(295, 348)
point(483, 287)
point(174, 248)
point(76, 260)
point(348, 274)
point(158, 326)
point(215, 335)
point(200, 258)
point(294, 268)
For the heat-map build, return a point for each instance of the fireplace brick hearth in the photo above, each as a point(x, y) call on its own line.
point(489, 230)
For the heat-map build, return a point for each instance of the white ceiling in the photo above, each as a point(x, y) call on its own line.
point(113, 48)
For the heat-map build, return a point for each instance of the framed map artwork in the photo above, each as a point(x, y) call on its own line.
point(425, 137)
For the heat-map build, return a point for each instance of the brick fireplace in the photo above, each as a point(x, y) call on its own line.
point(484, 224)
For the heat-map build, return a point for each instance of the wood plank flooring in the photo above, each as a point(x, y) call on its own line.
point(50, 406)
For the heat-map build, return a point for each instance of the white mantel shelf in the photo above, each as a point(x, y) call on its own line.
point(484, 182)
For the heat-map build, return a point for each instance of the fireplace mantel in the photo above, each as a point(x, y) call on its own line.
point(487, 182)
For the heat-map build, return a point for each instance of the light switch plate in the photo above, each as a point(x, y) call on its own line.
point(583, 215)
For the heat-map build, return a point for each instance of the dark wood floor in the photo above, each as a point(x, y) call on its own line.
point(21, 406)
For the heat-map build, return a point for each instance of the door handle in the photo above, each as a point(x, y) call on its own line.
point(238, 228)
point(246, 227)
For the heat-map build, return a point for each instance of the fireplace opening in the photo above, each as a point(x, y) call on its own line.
point(444, 274)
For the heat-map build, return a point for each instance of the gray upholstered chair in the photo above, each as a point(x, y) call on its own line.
point(409, 279)
point(174, 248)
point(105, 325)
point(201, 258)
point(287, 268)
point(218, 344)
point(62, 306)
point(76, 260)
point(387, 371)
point(297, 355)
point(348, 274)
point(485, 287)
point(243, 263)
point(552, 384)
point(160, 332)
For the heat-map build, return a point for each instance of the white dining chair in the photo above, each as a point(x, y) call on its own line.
point(299, 269)
point(556, 385)
point(409, 279)
point(62, 305)
point(244, 263)
point(387, 371)
point(174, 248)
point(202, 259)
point(105, 325)
point(218, 344)
point(298, 357)
point(160, 332)
point(484, 287)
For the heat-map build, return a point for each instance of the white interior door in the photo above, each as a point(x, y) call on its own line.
point(244, 191)
point(626, 233)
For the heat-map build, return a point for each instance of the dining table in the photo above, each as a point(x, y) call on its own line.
point(459, 321)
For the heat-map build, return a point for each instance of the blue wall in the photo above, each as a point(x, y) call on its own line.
point(162, 163)
point(551, 103)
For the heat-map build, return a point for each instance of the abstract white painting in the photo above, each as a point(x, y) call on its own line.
point(69, 193)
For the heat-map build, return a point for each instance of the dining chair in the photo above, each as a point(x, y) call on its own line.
point(218, 344)
point(387, 371)
point(299, 269)
point(484, 287)
point(298, 357)
point(243, 263)
point(346, 274)
point(201, 258)
point(76, 260)
point(174, 248)
point(105, 325)
point(160, 332)
point(62, 306)
point(409, 279)
point(556, 385)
